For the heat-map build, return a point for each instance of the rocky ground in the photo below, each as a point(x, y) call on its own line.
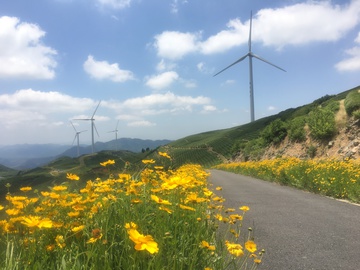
point(345, 144)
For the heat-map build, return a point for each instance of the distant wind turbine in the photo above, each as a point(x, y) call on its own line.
point(116, 132)
point(92, 119)
point(250, 55)
point(77, 133)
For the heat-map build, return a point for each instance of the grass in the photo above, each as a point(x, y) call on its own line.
point(334, 178)
point(153, 219)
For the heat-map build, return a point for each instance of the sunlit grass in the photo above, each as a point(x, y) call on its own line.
point(335, 178)
point(155, 219)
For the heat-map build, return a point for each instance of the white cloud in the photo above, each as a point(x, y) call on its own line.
point(22, 54)
point(174, 45)
point(174, 5)
point(209, 108)
point(141, 123)
point(168, 100)
point(102, 70)
point(116, 4)
point(298, 24)
point(271, 108)
point(303, 23)
point(352, 63)
point(235, 35)
point(163, 65)
point(162, 80)
point(28, 105)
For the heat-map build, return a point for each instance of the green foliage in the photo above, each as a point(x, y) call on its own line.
point(322, 124)
point(275, 132)
point(352, 102)
point(296, 130)
point(311, 151)
point(254, 149)
point(333, 105)
point(356, 114)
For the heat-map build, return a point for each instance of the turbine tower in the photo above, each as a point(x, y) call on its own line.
point(250, 54)
point(116, 132)
point(92, 119)
point(77, 133)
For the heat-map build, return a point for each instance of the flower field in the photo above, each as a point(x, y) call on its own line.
point(330, 177)
point(158, 219)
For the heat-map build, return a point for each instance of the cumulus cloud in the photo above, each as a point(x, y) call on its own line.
point(141, 123)
point(352, 63)
point(168, 100)
point(30, 105)
point(174, 45)
point(116, 4)
point(298, 24)
point(102, 70)
point(162, 80)
point(22, 53)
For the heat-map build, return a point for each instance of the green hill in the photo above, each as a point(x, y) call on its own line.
point(249, 141)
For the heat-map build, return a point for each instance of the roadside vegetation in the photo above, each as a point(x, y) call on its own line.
point(334, 178)
point(154, 219)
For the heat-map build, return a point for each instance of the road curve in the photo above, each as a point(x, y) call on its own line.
point(299, 230)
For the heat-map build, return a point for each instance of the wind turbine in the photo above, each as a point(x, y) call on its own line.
point(116, 132)
point(250, 54)
point(92, 119)
point(77, 133)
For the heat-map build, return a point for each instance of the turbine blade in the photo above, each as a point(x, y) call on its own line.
point(85, 119)
point(96, 130)
point(92, 117)
point(117, 124)
point(74, 139)
point(237, 61)
point(73, 126)
point(262, 59)
point(249, 42)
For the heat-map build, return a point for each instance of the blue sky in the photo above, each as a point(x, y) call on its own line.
point(151, 63)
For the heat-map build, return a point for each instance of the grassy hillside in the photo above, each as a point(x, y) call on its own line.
point(86, 166)
point(214, 147)
point(207, 149)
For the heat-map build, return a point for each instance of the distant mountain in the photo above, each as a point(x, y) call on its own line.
point(28, 156)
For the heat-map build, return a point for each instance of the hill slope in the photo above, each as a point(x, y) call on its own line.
point(241, 143)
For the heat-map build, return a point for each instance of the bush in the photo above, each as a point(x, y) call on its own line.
point(352, 102)
point(322, 124)
point(275, 132)
point(296, 130)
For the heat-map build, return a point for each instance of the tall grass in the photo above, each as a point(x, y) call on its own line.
point(156, 219)
point(335, 178)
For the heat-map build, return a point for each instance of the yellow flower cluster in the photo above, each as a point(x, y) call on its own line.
point(60, 221)
point(336, 178)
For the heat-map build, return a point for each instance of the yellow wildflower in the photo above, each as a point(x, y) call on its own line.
point(160, 201)
point(72, 176)
point(109, 162)
point(60, 241)
point(143, 242)
point(148, 161)
point(163, 154)
point(206, 245)
point(59, 188)
point(186, 207)
point(36, 221)
point(250, 246)
point(244, 208)
point(25, 189)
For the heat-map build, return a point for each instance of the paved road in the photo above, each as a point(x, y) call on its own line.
point(299, 230)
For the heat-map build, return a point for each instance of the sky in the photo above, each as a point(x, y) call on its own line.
point(150, 64)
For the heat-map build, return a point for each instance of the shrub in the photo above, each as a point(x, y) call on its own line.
point(275, 132)
point(322, 124)
point(352, 102)
point(311, 151)
point(296, 130)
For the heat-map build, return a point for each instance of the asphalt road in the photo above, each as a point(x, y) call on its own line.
point(298, 230)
